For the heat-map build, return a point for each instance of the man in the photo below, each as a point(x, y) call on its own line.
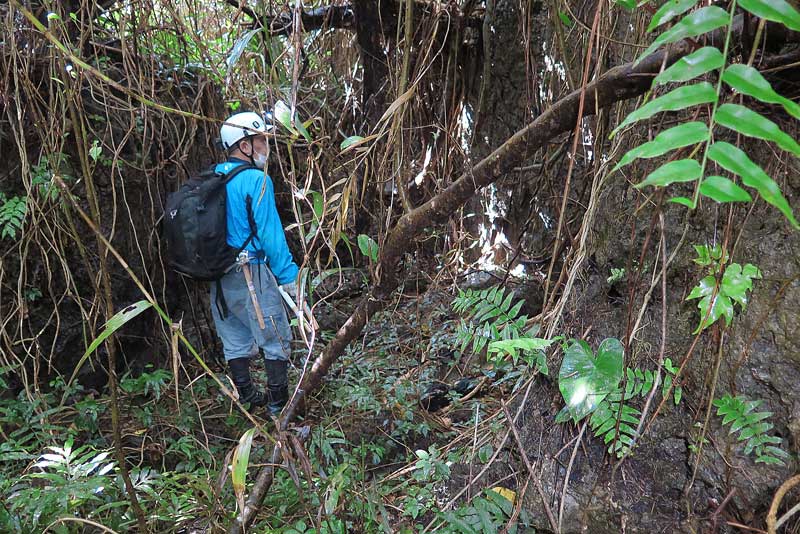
point(244, 138)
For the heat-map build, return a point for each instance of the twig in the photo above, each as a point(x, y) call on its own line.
point(528, 465)
point(772, 522)
point(566, 476)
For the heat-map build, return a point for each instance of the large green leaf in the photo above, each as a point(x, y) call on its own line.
point(584, 380)
point(774, 10)
point(722, 189)
point(749, 81)
point(695, 64)
point(696, 23)
point(735, 160)
point(748, 122)
point(676, 137)
point(670, 10)
point(677, 99)
point(683, 170)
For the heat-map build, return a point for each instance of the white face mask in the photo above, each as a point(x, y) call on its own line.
point(260, 160)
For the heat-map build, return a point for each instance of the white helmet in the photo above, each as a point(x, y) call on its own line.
point(243, 125)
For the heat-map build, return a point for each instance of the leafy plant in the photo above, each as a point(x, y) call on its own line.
point(744, 79)
point(65, 481)
point(616, 275)
point(717, 297)
point(712, 257)
point(590, 386)
point(12, 213)
point(585, 380)
point(146, 383)
point(527, 349)
point(490, 316)
point(740, 414)
point(486, 513)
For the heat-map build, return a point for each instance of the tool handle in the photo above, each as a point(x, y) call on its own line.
point(252, 289)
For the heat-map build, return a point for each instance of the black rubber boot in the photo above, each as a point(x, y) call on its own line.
point(277, 385)
point(240, 370)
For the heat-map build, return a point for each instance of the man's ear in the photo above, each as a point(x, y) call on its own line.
point(246, 147)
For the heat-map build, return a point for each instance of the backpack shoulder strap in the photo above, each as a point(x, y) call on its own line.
point(238, 170)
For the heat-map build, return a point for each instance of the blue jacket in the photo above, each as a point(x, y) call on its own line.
point(269, 230)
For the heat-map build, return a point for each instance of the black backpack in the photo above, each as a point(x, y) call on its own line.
point(196, 228)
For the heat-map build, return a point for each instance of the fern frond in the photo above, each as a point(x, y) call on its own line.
point(752, 427)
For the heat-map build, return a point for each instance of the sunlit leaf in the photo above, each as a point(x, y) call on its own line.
point(683, 170)
point(676, 137)
point(368, 246)
point(695, 64)
point(677, 99)
point(733, 159)
point(722, 189)
point(240, 462)
point(749, 81)
point(584, 380)
point(352, 140)
point(773, 10)
point(696, 23)
point(735, 283)
point(748, 122)
point(239, 46)
point(670, 10)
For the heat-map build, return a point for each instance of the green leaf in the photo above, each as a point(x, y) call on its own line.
point(689, 67)
point(585, 381)
point(95, 150)
point(735, 160)
point(350, 141)
point(710, 312)
point(749, 81)
point(670, 10)
point(723, 190)
point(677, 99)
point(241, 459)
point(686, 134)
point(239, 46)
point(747, 122)
point(115, 323)
point(683, 201)
point(683, 170)
point(696, 23)
point(737, 281)
point(368, 247)
point(523, 343)
point(627, 4)
point(565, 20)
point(283, 114)
point(773, 10)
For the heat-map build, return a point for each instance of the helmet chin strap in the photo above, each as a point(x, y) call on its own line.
point(250, 155)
